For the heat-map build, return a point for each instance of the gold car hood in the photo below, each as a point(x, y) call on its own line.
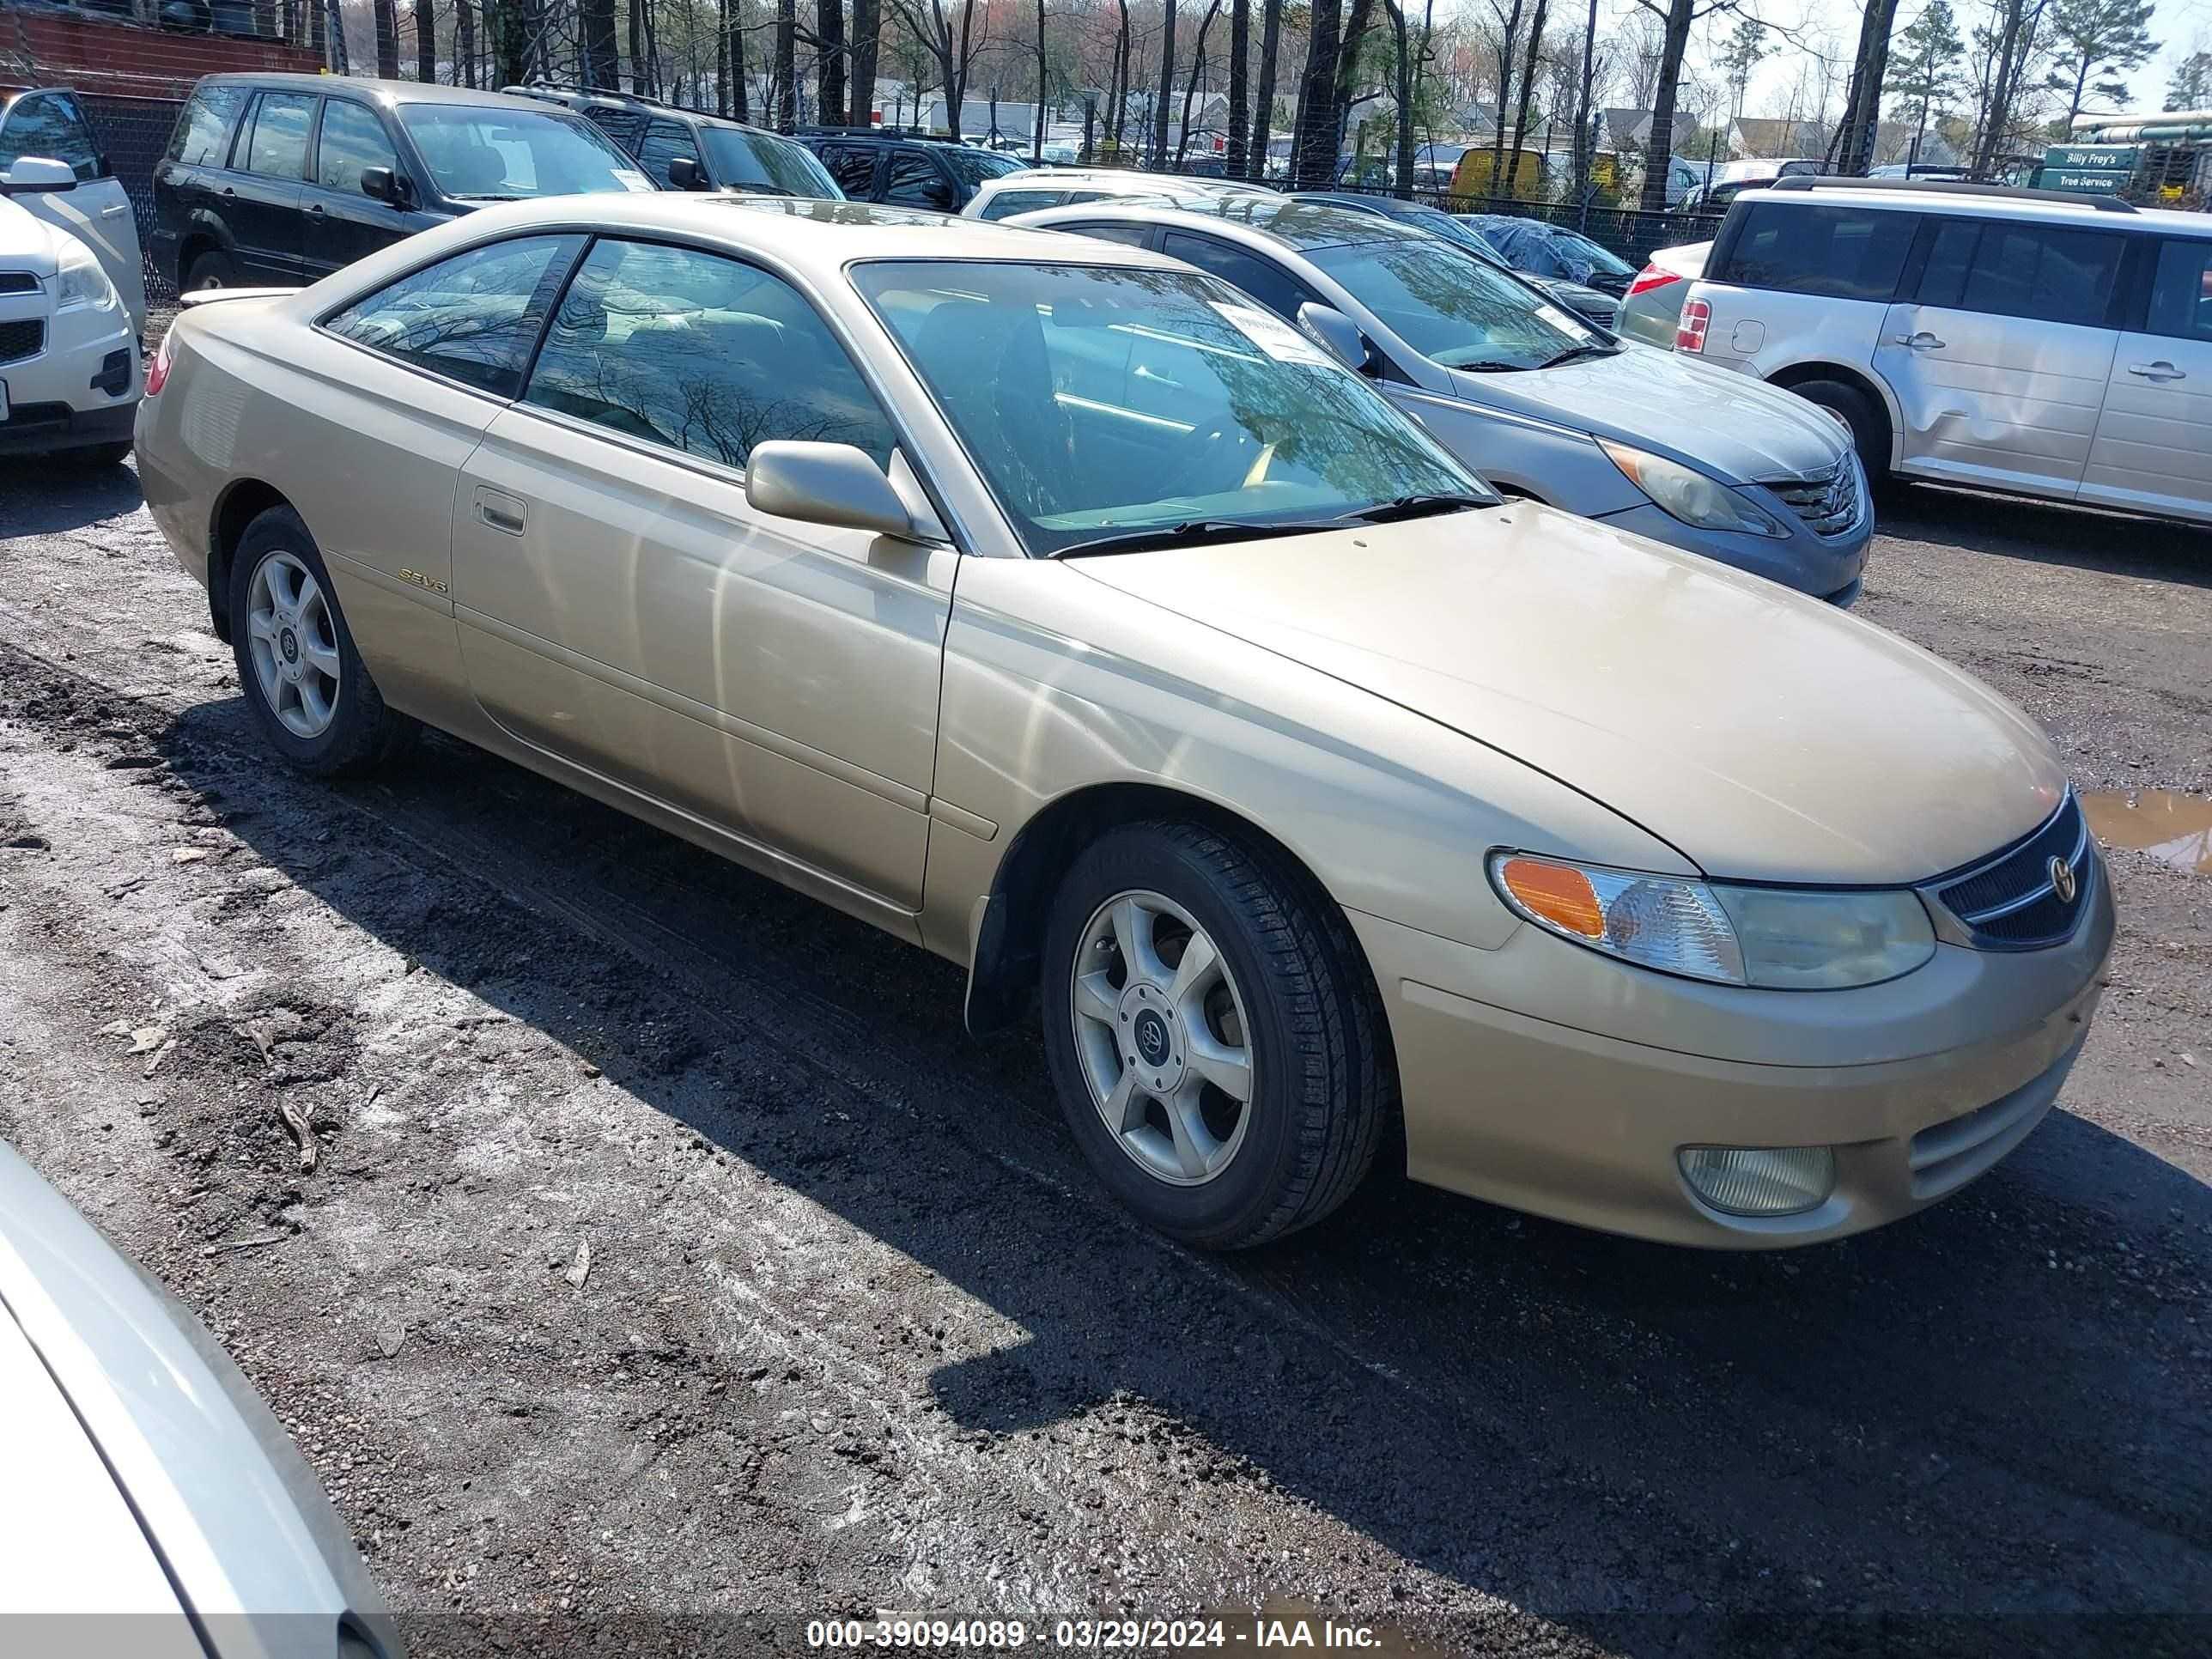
point(1766, 735)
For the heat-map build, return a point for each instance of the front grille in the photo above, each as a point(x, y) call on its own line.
point(18, 282)
point(1829, 501)
point(2011, 902)
point(22, 340)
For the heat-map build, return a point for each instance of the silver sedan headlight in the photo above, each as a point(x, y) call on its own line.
point(1684, 493)
point(1781, 938)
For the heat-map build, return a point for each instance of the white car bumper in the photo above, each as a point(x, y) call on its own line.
point(67, 379)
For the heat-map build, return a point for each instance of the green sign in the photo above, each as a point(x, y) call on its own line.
point(2092, 169)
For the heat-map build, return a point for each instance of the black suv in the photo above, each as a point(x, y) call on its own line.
point(686, 149)
point(875, 164)
point(280, 179)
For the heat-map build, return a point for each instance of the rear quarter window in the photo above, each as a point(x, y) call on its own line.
point(202, 136)
point(1839, 252)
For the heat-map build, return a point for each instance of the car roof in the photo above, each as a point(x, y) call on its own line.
point(1139, 184)
point(572, 97)
point(1285, 219)
point(389, 93)
point(1929, 196)
point(820, 237)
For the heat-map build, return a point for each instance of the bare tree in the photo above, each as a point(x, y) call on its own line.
point(1263, 99)
point(1676, 16)
point(426, 41)
point(1584, 97)
point(867, 32)
point(1853, 149)
point(465, 42)
point(1190, 86)
point(953, 36)
point(599, 67)
point(1240, 49)
point(1531, 61)
point(386, 16)
point(1167, 83)
point(786, 65)
point(1403, 170)
point(830, 60)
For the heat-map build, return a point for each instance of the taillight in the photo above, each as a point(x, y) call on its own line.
point(158, 371)
point(1690, 331)
point(1650, 277)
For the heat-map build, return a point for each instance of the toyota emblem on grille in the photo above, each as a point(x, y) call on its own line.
point(2061, 880)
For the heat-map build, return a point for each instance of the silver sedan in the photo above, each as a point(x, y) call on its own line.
point(1540, 404)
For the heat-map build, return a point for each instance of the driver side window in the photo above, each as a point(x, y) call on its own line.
point(701, 354)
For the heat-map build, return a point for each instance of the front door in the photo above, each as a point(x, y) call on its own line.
point(2000, 359)
point(624, 609)
point(98, 211)
point(259, 198)
point(2153, 448)
point(343, 221)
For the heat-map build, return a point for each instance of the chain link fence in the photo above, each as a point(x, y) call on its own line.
point(134, 134)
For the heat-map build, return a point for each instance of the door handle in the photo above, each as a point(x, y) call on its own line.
point(1923, 341)
point(2160, 370)
point(230, 189)
point(502, 512)
point(314, 209)
point(112, 211)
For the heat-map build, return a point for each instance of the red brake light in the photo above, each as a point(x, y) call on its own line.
point(1689, 332)
point(1650, 277)
point(158, 371)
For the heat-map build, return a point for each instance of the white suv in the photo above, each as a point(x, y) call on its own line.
point(2022, 340)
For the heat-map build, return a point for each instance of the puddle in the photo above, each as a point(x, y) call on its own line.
point(2175, 829)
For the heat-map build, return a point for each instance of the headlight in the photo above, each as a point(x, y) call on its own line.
point(1683, 493)
point(81, 281)
point(1774, 937)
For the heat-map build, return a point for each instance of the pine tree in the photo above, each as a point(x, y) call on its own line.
point(2098, 37)
point(1924, 68)
point(2192, 87)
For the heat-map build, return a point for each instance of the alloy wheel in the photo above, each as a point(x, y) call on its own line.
point(294, 644)
point(1161, 1032)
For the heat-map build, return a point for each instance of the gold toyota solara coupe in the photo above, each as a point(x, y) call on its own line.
point(1042, 602)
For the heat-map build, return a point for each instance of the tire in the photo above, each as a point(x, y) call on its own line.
point(1320, 1085)
point(323, 724)
point(210, 268)
point(1869, 425)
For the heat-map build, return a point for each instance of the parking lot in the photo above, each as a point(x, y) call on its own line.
point(673, 1270)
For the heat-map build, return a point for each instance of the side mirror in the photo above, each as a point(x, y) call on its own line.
point(37, 175)
point(684, 174)
point(384, 185)
point(828, 484)
point(1338, 335)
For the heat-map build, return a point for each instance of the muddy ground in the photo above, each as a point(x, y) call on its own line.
point(856, 1332)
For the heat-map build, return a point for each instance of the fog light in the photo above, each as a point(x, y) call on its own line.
point(1759, 1180)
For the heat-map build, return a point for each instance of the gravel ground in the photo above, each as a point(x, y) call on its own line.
point(674, 1270)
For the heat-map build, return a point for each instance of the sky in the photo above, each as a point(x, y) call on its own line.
point(2180, 27)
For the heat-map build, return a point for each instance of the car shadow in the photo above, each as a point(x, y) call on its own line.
point(1987, 1429)
point(52, 495)
point(2045, 532)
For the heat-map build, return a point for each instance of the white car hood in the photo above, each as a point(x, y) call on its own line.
point(26, 242)
point(68, 1543)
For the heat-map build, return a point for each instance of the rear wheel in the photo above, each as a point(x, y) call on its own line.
point(1869, 425)
point(296, 661)
point(1212, 1035)
point(210, 268)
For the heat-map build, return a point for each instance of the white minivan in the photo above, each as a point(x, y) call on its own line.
point(2021, 340)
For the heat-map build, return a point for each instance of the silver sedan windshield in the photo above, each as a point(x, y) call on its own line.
point(1451, 307)
point(1104, 399)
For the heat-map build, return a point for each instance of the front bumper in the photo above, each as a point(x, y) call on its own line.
point(1551, 1080)
point(81, 388)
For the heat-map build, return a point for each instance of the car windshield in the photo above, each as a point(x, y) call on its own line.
point(972, 166)
point(480, 153)
point(1096, 400)
point(761, 161)
point(1452, 309)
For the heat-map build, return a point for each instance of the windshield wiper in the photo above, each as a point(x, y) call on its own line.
point(1592, 349)
point(1191, 533)
point(1417, 506)
point(1490, 366)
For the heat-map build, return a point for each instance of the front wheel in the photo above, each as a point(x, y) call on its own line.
point(296, 661)
point(208, 270)
point(1212, 1035)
